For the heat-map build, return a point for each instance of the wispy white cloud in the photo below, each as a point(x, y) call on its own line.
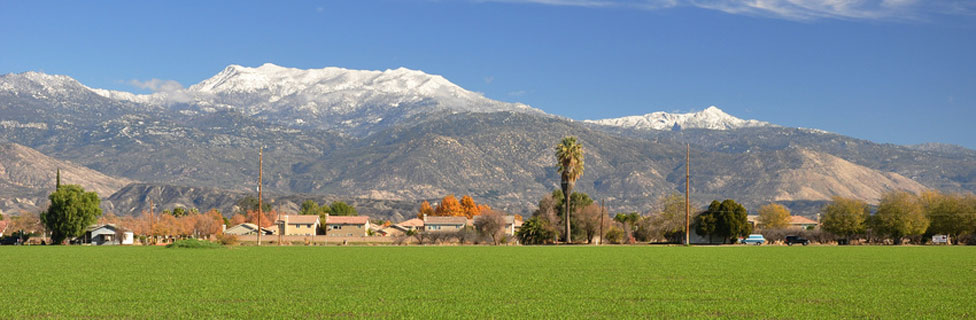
point(800, 10)
point(156, 85)
point(171, 90)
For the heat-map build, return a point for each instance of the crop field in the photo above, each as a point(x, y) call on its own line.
point(488, 282)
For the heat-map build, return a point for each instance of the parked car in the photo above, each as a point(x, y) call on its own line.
point(756, 239)
point(9, 241)
point(790, 240)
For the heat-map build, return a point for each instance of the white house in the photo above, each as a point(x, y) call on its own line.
point(108, 234)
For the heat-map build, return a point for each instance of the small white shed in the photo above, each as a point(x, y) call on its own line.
point(108, 234)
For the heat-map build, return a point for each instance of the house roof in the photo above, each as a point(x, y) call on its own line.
point(250, 227)
point(801, 220)
point(348, 220)
point(415, 222)
point(446, 220)
point(513, 221)
point(301, 219)
point(100, 226)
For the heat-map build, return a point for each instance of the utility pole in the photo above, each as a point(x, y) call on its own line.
point(152, 222)
point(688, 194)
point(281, 226)
point(603, 213)
point(260, 175)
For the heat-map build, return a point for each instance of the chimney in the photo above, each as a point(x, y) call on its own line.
point(223, 227)
point(326, 226)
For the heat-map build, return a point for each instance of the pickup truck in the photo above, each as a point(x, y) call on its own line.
point(790, 240)
point(756, 239)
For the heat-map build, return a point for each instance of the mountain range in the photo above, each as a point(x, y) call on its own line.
point(387, 140)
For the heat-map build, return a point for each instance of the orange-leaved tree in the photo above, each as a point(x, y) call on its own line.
point(425, 208)
point(237, 219)
point(266, 220)
point(469, 208)
point(449, 206)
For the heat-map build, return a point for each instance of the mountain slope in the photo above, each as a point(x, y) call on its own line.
point(711, 118)
point(354, 102)
point(28, 176)
point(203, 151)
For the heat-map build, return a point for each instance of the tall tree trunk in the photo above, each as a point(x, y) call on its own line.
point(567, 188)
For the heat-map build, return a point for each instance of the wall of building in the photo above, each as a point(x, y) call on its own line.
point(346, 230)
point(300, 229)
point(443, 228)
point(318, 240)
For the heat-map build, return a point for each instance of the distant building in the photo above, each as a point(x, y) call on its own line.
point(298, 225)
point(108, 234)
point(3, 227)
point(415, 224)
point(512, 225)
point(796, 222)
point(391, 231)
point(801, 222)
point(347, 226)
point(246, 229)
point(444, 224)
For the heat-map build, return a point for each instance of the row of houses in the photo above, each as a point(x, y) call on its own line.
point(796, 222)
point(360, 226)
point(308, 225)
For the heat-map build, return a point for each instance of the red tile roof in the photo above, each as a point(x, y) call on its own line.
point(300, 219)
point(347, 220)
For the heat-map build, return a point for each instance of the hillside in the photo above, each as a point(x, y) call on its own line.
point(28, 176)
point(202, 152)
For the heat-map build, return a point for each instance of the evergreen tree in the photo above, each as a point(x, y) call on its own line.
point(340, 208)
point(72, 210)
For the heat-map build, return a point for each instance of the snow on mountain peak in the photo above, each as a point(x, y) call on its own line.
point(711, 118)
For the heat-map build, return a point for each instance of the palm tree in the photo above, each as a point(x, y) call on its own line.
point(569, 158)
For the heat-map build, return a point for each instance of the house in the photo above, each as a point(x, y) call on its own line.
point(512, 225)
point(392, 231)
point(108, 234)
point(415, 224)
point(796, 222)
point(246, 229)
point(346, 226)
point(803, 223)
point(444, 224)
point(298, 225)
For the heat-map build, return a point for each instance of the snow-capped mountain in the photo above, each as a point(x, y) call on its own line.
point(711, 118)
point(350, 101)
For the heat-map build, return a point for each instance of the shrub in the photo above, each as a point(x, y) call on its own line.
point(615, 235)
point(194, 244)
point(227, 239)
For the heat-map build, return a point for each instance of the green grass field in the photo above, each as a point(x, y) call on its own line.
point(488, 282)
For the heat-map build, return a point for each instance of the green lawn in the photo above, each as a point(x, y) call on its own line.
point(488, 282)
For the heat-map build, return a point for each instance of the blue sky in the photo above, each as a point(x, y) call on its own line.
point(898, 71)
